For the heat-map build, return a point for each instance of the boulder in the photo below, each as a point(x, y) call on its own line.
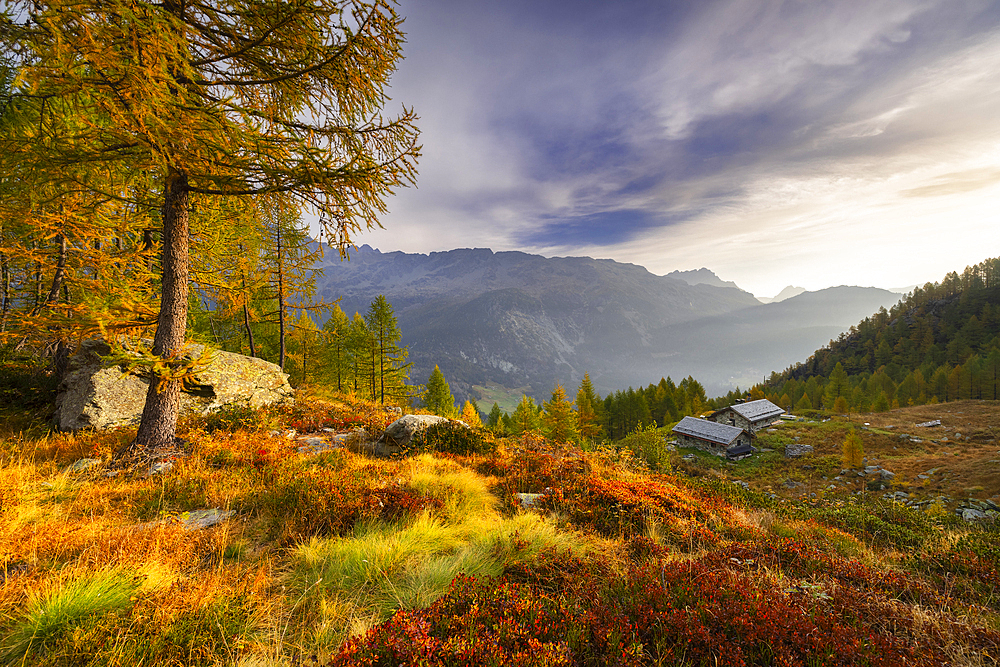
point(398, 434)
point(97, 394)
point(970, 514)
point(796, 451)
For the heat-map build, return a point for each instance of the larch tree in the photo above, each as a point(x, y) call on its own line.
point(587, 401)
point(437, 397)
point(392, 369)
point(243, 98)
point(288, 259)
point(470, 414)
point(525, 418)
point(336, 359)
point(558, 418)
point(361, 347)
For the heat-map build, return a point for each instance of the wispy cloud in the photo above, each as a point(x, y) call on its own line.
point(774, 141)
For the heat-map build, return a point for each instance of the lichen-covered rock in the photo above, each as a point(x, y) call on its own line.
point(797, 451)
point(96, 394)
point(399, 433)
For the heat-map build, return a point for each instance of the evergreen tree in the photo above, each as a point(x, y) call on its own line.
point(588, 425)
point(494, 419)
point(288, 260)
point(392, 370)
point(438, 398)
point(362, 351)
point(336, 366)
point(558, 420)
point(525, 418)
point(838, 385)
point(304, 349)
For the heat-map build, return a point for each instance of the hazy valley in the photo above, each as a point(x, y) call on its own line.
point(525, 322)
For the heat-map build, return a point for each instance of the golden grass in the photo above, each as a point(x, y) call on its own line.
point(68, 536)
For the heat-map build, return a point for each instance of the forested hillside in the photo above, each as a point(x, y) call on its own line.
point(940, 343)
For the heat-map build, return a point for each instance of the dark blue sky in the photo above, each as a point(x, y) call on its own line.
point(775, 142)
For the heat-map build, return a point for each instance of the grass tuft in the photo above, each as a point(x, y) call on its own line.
point(53, 614)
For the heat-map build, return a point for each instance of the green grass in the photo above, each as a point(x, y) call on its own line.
point(489, 394)
point(49, 617)
point(353, 581)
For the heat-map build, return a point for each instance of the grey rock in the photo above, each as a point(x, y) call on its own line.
point(689, 457)
point(97, 394)
point(742, 483)
point(796, 451)
point(528, 499)
point(791, 484)
point(970, 514)
point(935, 422)
point(871, 470)
point(887, 475)
point(81, 466)
point(200, 519)
point(398, 434)
point(160, 468)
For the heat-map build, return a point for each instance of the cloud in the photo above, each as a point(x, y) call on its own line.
point(749, 136)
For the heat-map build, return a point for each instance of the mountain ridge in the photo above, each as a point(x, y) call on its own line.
point(526, 321)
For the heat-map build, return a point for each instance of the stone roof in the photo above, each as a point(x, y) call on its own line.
point(722, 434)
point(757, 410)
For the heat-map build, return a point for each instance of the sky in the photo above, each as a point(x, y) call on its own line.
point(775, 142)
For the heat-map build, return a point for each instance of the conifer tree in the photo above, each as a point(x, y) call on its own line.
point(304, 349)
point(588, 425)
point(525, 418)
point(854, 450)
point(558, 420)
point(437, 397)
point(336, 365)
point(288, 260)
point(881, 403)
point(494, 419)
point(246, 98)
point(392, 369)
point(470, 414)
point(361, 346)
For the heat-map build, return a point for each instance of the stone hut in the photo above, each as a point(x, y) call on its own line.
point(713, 437)
point(751, 416)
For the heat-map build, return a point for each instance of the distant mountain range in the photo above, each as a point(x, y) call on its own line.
point(524, 322)
point(786, 293)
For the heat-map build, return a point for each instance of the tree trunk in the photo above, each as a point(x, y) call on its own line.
point(246, 325)
point(281, 299)
point(38, 278)
point(159, 417)
point(60, 274)
point(246, 308)
point(5, 287)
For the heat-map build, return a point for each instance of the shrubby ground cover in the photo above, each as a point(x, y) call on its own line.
point(430, 559)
